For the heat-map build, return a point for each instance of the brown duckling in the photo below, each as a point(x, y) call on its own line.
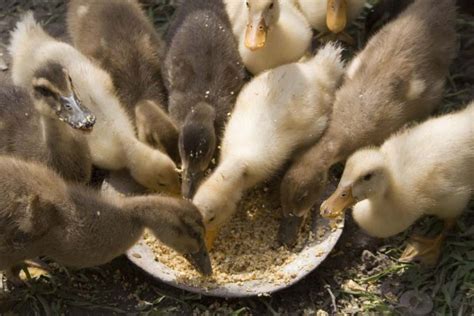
point(118, 35)
point(203, 73)
point(42, 215)
point(399, 77)
point(49, 125)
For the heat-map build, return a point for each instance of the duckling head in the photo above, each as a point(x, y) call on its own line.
point(197, 143)
point(262, 14)
point(55, 96)
point(365, 176)
point(183, 230)
point(298, 192)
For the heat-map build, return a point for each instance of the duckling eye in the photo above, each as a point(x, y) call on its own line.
point(247, 4)
point(212, 219)
point(271, 6)
point(367, 177)
point(45, 92)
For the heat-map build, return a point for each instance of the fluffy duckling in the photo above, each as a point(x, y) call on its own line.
point(331, 15)
point(113, 143)
point(42, 215)
point(424, 170)
point(277, 112)
point(386, 10)
point(47, 127)
point(118, 35)
point(270, 32)
point(398, 78)
point(203, 74)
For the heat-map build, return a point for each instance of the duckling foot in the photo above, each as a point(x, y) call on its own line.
point(424, 250)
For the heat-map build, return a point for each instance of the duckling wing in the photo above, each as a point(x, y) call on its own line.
point(24, 222)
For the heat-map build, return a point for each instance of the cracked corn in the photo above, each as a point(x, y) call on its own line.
point(245, 249)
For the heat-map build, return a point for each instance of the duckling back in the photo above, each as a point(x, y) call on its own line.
point(202, 63)
point(443, 181)
point(398, 77)
point(117, 34)
point(285, 107)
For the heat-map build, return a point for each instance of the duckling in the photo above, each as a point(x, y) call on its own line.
point(131, 51)
point(203, 74)
point(386, 10)
point(397, 78)
point(113, 143)
point(331, 15)
point(42, 215)
point(424, 170)
point(276, 113)
point(270, 32)
point(48, 126)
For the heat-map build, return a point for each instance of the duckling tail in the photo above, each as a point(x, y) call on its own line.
point(329, 64)
point(25, 29)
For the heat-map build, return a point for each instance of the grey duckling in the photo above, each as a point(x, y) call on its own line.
point(203, 73)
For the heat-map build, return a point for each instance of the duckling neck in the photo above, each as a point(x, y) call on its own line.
point(384, 214)
point(148, 211)
point(136, 153)
point(66, 149)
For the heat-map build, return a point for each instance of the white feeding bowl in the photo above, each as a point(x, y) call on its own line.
point(310, 257)
point(312, 254)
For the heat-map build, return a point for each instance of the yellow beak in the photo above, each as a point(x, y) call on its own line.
point(337, 203)
point(211, 235)
point(256, 35)
point(336, 15)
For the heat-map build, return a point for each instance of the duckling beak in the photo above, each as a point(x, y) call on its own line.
point(289, 229)
point(338, 202)
point(191, 180)
point(336, 15)
point(201, 260)
point(211, 235)
point(256, 34)
point(75, 114)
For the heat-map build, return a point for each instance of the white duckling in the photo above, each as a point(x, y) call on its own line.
point(269, 32)
point(275, 113)
point(425, 170)
point(113, 143)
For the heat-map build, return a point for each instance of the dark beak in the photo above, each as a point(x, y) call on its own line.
point(75, 114)
point(200, 260)
point(289, 229)
point(190, 184)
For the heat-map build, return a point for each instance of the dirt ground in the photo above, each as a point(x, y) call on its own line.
point(361, 275)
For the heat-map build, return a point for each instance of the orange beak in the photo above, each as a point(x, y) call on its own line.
point(211, 235)
point(337, 203)
point(256, 35)
point(336, 15)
